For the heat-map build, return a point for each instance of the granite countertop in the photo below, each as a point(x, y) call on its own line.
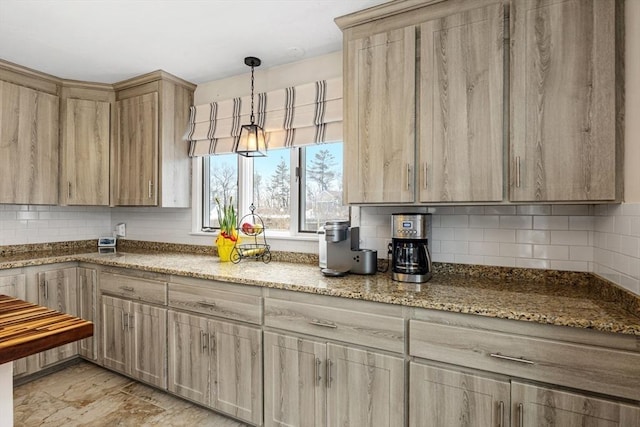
point(557, 298)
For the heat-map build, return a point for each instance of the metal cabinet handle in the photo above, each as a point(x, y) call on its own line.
point(127, 288)
point(207, 304)
point(122, 319)
point(130, 324)
point(425, 175)
point(408, 175)
point(329, 365)
point(521, 414)
point(203, 346)
point(45, 290)
point(512, 359)
point(316, 322)
point(518, 171)
point(501, 415)
point(317, 373)
point(69, 190)
point(150, 189)
point(211, 342)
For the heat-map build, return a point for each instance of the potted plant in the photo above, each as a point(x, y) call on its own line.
point(228, 235)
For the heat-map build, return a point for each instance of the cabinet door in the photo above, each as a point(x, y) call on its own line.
point(461, 107)
point(236, 370)
point(443, 398)
point(364, 388)
point(538, 406)
point(137, 151)
point(28, 146)
point(188, 356)
point(15, 286)
point(380, 118)
point(294, 381)
point(563, 138)
point(148, 343)
point(87, 301)
point(114, 333)
point(58, 290)
point(85, 153)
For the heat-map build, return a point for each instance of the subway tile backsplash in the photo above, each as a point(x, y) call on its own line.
point(604, 239)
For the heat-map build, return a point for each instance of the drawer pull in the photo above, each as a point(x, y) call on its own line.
point(127, 288)
point(501, 415)
point(512, 359)
point(207, 304)
point(323, 324)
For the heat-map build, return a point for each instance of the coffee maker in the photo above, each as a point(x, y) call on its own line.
point(339, 250)
point(410, 238)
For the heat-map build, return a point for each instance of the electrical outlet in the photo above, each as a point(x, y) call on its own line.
point(121, 230)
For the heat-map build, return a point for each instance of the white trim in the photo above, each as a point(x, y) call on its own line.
point(196, 195)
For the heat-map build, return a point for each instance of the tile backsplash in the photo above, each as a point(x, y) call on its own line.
point(604, 239)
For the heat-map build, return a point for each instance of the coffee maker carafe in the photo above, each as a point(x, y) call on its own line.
point(411, 259)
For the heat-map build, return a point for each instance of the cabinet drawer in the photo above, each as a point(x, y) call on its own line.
point(371, 330)
point(597, 369)
point(134, 288)
point(230, 305)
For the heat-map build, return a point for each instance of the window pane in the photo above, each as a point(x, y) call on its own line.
point(322, 186)
point(222, 174)
point(271, 188)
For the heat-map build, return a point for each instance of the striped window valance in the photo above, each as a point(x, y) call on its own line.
point(291, 117)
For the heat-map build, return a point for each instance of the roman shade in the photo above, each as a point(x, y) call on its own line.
point(292, 117)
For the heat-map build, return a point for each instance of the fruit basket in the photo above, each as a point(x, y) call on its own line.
point(255, 245)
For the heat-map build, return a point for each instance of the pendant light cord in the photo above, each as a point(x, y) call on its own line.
point(252, 117)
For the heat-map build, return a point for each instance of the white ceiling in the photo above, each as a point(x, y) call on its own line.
point(199, 40)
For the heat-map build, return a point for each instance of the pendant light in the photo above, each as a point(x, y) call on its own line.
point(252, 142)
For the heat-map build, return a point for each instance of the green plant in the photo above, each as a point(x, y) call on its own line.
point(227, 218)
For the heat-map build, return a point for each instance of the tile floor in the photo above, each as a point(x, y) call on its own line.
point(86, 395)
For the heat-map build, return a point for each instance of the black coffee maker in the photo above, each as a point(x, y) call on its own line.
point(411, 260)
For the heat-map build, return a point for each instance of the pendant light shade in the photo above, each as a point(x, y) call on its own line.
point(252, 141)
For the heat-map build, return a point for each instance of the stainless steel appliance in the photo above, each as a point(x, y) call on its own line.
point(411, 258)
point(339, 250)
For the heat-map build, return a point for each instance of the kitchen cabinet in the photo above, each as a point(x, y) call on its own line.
point(216, 363)
point(85, 119)
point(565, 144)
point(324, 377)
point(442, 397)
point(14, 285)
point(28, 145)
point(87, 309)
point(58, 289)
point(150, 164)
point(134, 339)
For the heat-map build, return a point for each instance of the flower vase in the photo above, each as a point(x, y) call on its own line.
point(225, 247)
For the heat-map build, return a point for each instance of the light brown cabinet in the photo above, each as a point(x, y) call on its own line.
point(85, 146)
point(14, 285)
point(28, 145)
point(58, 289)
point(87, 309)
point(150, 164)
point(134, 339)
point(565, 100)
point(216, 363)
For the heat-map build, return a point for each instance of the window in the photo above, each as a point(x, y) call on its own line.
point(295, 190)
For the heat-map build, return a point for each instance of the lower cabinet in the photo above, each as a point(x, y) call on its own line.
point(442, 398)
point(314, 383)
point(14, 285)
point(216, 363)
point(87, 309)
point(134, 339)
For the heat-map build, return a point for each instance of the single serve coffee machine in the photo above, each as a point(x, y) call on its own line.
point(339, 250)
point(411, 259)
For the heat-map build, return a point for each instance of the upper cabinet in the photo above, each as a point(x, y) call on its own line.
point(426, 112)
point(28, 137)
point(150, 164)
point(85, 119)
point(564, 76)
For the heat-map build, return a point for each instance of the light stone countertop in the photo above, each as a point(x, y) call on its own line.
point(567, 299)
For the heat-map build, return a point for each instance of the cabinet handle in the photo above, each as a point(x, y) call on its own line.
point(129, 323)
point(323, 324)
point(512, 359)
point(318, 376)
point(203, 346)
point(501, 415)
point(45, 290)
point(127, 288)
point(408, 175)
point(122, 319)
point(329, 364)
point(425, 175)
point(521, 414)
point(69, 190)
point(207, 304)
point(150, 189)
point(517, 171)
